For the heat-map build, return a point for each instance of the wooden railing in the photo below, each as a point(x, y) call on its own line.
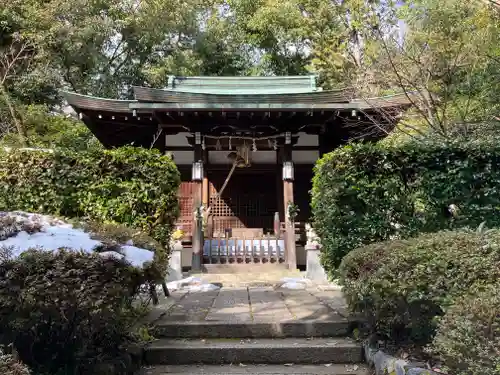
point(300, 231)
point(243, 250)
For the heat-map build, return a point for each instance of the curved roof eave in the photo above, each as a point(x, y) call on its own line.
point(97, 104)
point(145, 94)
point(294, 102)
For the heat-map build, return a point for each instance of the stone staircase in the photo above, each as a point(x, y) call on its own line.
point(255, 330)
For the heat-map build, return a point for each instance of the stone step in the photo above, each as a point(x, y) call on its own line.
point(254, 351)
point(242, 369)
point(221, 329)
point(236, 268)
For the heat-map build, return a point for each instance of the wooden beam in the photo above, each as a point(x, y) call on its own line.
point(291, 253)
point(230, 107)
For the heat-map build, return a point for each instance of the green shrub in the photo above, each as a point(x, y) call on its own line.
point(403, 286)
point(116, 235)
point(9, 365)
point(468, 336)
point(366, 193)
point(131, 186)
point(68, 312)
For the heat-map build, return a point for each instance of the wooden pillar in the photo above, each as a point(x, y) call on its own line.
point(291, 254)
point(206, 184)
point(197, 233)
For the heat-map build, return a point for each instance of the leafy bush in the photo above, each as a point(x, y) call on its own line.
point(468, 336)
point(115, 235)
point(366, 193)
point(9, 365)
point(131, 186)
point(403, 286)
point(68, 312)
point(46, 129)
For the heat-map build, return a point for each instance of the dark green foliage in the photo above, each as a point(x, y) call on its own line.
point(130, 186)
point(403, 286)
point(365, 193)
point(48, 130)
point(468, 336)
point(114, 236)
point(68, 312)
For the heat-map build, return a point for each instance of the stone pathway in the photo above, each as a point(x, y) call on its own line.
point(255, 304)
point(254, 327)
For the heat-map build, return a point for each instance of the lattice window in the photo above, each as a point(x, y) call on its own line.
point(243, 206)
point(186, 205)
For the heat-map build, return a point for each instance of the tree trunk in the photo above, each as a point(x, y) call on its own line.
point(19, 125)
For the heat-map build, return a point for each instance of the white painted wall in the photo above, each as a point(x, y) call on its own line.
point(307, 139)
point(305, 157)
point(177, 139)
point(182, 157)
point(257, 157)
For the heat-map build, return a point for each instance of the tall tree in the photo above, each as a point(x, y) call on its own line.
point(445, 64)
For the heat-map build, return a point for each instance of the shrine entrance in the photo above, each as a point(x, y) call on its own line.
point(275, 127)
point(249, 202)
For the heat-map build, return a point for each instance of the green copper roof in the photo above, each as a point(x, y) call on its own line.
point(148, 101)
point(145, 94)
point(243, 85)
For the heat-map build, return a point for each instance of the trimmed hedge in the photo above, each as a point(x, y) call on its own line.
point(69, 312)
point(403, 286)
point(366, 193)
point(468, 336)
point(130, 186)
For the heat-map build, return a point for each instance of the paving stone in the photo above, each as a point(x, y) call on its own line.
point(191, 306)
point(268, 305)
point(231, 305)
point(305, 306)
point(333, 299)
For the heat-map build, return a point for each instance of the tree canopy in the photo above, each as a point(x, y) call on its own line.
point(444, 53)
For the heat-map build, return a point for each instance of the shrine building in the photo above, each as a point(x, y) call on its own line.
point(245, 148)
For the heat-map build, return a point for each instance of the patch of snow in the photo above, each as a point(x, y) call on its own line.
point(56, 234)
point(295, 283)
point(191, 284)
point(137, 256)
point(291, 285)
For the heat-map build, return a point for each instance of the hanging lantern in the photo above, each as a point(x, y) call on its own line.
point(197, 171)
point(288, 171)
